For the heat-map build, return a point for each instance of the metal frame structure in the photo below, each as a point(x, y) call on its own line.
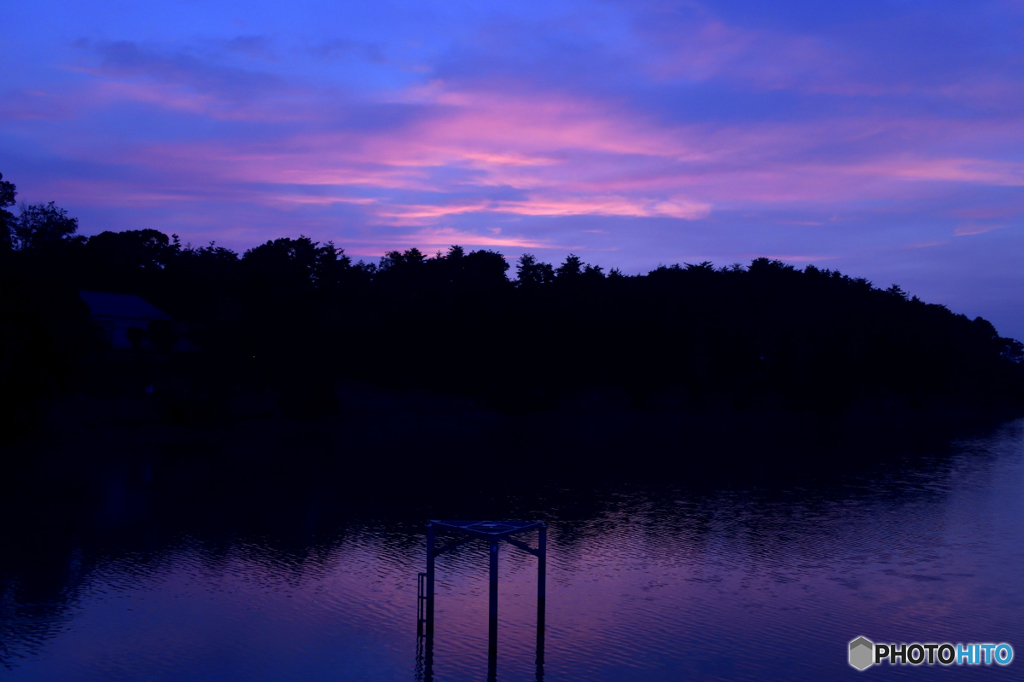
point(493, 532)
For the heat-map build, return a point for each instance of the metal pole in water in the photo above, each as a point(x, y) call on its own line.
point(430, 579)
point(542, 567)
point(492, 631)
point(428, 663)
point(542, 570)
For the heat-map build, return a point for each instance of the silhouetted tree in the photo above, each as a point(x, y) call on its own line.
point(403, 261)
point(288, 267)
point(7, 194)
point(532, 274)
point(572, 267)
point(131, 250)
point(44, 226)
point(484, 270)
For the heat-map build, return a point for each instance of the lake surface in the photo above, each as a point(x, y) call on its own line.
point(645, 581)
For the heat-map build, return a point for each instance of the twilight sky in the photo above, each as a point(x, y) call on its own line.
point(880, 137)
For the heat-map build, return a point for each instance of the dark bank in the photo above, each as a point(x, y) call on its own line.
point(201, 336)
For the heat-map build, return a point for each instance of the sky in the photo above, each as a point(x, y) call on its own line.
point(882, 138)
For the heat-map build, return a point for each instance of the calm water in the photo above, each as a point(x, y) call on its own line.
point(645, 582)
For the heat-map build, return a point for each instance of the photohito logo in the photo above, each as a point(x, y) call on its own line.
point(864, 653)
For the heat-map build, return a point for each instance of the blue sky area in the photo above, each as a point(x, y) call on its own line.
point(880, 138)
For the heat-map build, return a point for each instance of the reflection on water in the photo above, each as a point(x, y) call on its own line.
point(644, 582)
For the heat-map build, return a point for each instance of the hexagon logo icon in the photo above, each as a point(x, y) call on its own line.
point(862, 653)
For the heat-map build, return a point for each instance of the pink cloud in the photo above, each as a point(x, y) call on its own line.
point(675, 207)
point(419, 214)
point(708, 49)
point(429, 238)
point(712, 49)
point(799, 259)
point(986, 212)
point(969, 229)
point(574, 164)
point(524, 152)
point(306, 199)
point(925, 245)
point(34, 105)
point(984, 171)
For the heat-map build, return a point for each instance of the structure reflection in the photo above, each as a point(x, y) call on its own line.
point(494, 532)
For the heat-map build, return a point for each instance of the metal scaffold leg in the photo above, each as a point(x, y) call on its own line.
point(542, 570)
point(492, 624)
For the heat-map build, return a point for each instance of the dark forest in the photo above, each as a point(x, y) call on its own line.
point(292, 318)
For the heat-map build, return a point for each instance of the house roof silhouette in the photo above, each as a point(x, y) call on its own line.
point(121, 307)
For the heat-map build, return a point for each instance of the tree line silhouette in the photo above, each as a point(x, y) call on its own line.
point(295, 317)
